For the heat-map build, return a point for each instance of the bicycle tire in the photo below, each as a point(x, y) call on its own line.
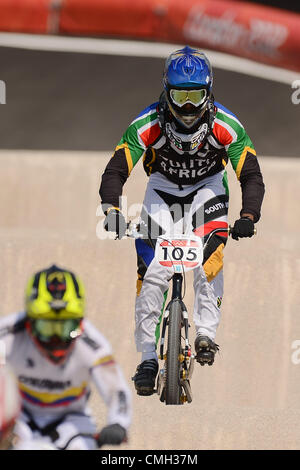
point(173, 387)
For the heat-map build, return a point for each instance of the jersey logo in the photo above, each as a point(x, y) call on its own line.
point(29, 362)
point(91, 342)
point(122, 402)
point(44, 383)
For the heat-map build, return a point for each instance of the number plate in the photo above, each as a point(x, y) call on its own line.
point(180, 253)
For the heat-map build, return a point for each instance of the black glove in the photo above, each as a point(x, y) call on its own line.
point(243, 227)
point(112, 434)
point(115, 222)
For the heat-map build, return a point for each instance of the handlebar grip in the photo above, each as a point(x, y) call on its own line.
point(112, 434)
point(230, 230)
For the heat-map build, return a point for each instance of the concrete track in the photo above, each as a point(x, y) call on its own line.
point(82, 103)
point(250, 398)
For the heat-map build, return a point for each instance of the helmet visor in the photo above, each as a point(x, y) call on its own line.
point(182, 97)
point(63, 329)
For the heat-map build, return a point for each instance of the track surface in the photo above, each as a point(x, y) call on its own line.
point(250, 398)
point(48, 200)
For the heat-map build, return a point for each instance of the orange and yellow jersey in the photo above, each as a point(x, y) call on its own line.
point(50, 391)
point(227, 141)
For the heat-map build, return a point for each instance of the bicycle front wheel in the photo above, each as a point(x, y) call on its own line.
point(173, 388)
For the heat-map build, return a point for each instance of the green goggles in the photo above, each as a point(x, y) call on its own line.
point(63, 329)
point(181, 97)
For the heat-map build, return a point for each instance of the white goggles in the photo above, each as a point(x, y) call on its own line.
point(181, 97)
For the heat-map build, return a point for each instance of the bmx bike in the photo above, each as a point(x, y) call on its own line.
point(182, 253)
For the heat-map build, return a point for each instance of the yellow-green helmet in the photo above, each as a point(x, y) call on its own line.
point(55, 309)
point(54, 294)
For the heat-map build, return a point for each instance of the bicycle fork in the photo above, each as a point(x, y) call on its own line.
point(186, 358)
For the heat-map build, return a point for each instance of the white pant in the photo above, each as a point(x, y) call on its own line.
point(70, 426)
point(210, 206)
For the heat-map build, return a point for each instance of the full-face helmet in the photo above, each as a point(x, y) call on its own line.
point(187, 83)
point(54, 303)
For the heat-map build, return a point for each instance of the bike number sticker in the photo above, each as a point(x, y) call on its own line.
point(179, 253)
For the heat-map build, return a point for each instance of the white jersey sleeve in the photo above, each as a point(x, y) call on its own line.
point(109, 380)
point(9, 325)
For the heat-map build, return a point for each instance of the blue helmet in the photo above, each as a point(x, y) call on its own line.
point(187, 82)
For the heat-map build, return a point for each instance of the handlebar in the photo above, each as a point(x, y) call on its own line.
point(133, 231)
point(96, 437)
point(228, 230)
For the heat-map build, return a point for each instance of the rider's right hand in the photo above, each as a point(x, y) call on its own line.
point(243, 227)
point(112, 434)
point(115, 222)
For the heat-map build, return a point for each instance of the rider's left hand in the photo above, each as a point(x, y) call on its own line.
point(112, 434)
point(115, 222)
point(243, 227)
